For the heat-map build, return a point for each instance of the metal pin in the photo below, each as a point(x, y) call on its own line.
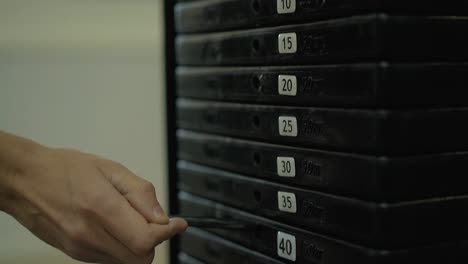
point(215, 223)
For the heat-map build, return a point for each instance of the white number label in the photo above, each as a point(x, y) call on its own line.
point(287, 43)
point(287, 126)
point(286, 245)
point(287, 85)
point(286, 167)
point(287, 202)
point(286, 6)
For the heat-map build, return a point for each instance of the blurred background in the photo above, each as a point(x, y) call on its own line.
point(84, 74)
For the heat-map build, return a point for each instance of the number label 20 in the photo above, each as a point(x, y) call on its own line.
point(287, 85)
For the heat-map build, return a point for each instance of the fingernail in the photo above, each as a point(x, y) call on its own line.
point(158, 211)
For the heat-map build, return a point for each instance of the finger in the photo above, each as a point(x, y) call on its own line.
point(165, 232)
point(140, 193)
point(142, 196)
point(127, 225)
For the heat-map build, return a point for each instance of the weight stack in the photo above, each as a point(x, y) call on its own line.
point(335, 129)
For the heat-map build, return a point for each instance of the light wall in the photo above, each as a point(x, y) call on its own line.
point(85, 74)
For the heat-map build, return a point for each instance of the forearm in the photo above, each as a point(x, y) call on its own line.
point(16, 154)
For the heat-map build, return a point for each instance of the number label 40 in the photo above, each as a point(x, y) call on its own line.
point(287, 85)
point(286, 6)
point(287, 126)
point(286, 246)
point(287, 202)
point(287, 43)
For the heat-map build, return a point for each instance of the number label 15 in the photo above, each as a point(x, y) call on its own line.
point(287, 202)
point(287, 126)
point(287, 85)
point(286, 246)
point(287, 43)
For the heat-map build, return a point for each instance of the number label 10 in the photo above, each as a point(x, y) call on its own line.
point(287, 126)
point(287, 43)
point(287, 85)
point(286, 6)
point(287, 202)
point(286, 167)
point(286, 246)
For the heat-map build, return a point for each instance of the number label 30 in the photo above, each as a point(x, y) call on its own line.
point(286, 167)
point(286, 246)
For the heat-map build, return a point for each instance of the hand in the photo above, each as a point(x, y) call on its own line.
point(93, 209)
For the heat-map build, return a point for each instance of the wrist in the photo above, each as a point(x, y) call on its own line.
point(6, 190)
point(18, 157)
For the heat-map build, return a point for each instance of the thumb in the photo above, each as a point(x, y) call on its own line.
point(140, 193)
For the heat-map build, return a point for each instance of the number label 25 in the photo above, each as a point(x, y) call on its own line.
point(287, 126)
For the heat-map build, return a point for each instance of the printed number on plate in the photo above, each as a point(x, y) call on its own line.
point(286, 6)
point(286, 246)
point(287, 43)
point(287, 202)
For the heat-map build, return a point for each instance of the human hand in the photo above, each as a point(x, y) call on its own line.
point(93, 209)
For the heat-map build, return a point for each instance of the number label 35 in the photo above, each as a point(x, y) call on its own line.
point(286, 246)
point(287, 202)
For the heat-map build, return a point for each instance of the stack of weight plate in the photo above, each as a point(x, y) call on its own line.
point(335, 129)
